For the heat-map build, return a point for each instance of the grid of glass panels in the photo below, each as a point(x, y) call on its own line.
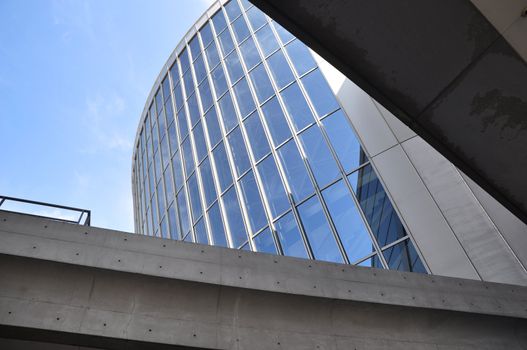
point(245, 146)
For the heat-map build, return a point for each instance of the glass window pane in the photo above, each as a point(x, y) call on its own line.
point(256, 18)
point(228, 115)
point(213, 127)
point(213, 57)
point(159, 167)
point(233, 10)
point(169, 111)
point(320, 93)
point(267, 40)
point(169, 185)
point(188, 82)
point(239, 152)
point(164, 227)
point(173, 222)
point(206, 34)
point(346, 218)
point(342, 138)
point(300, 56)
point(189, 238)
point(264, 242)
point(216, 227)
point(199, 69)
point(184, 61)
point(318, 156)
point(201, 232)
point(295, 171)
point(377, 207)
point(241, 31)
point(174, 73)
point(193, 109)
point(318, 231)
point(155, 137)
point(195, 200)
point(226, 43)
point(289, 236)
point(256, 136)
point(253, 202)
point(219, 21)
point(283, 34)
point(166, 88)
point(182, 123)
point(208, 182)
point(177, 171)
point(244, 97)
point(372, 262)
point(199, 142)
point(234, 215)
point(280, 69)
point(234, 67)
point(161, 199)
point(246, 4)
point(178, 96)
point(250, 54)
point(222, 167)
point(297, 107)
point(219, 80)
point(273, 187)
point(404, 257)
point(275, 118)
point(262, 84)
point(189, 159)
point(183, 212)
point(194, 47)
point(205, 95)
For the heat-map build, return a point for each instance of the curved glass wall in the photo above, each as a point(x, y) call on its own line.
point(245, 146)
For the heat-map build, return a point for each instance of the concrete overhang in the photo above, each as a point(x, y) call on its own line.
point(85, 286)
point(457, 77)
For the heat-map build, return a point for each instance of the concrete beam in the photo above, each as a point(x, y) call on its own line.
point(69, 279)
point(441, 68)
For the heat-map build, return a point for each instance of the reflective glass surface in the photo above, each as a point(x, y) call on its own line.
point(222, 167)
point(273, 187)
point(239, 152)
point(250, 54)
point(319, 93)
point(267, 40)
point(253, 202)
point(228, 114)
point(262, 84)
point(216, 227)
point(280, 70)
point(404, 257)
point(295, 171)
point(276, 121)
point(300, 56)
point(256, 18)
point(290, 237)
point(297, 107)
point(208, 182)
point(319, 156)
point(256, 136)
point(264, 242)
point(244, 97)
point(234, 214)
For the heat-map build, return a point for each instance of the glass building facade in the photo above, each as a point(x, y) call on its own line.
point(243, 144)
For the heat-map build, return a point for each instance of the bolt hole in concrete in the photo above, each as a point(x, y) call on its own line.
point(150, 330)
point(45, 226)
point(9, 312)
point(85, 233)
point(58, 318)
point(34, 247)
point(201, 272)
point(5, 220)
point(524, 12)
point(164, 245)
point(104, 324)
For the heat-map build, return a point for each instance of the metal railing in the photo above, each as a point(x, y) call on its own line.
point(84, 214)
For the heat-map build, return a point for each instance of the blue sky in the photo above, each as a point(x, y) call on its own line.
point(74, 77)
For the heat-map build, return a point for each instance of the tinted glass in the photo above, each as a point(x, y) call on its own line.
point(213, 57)
point(177, 170)
point(256, 18)
point(343, 140)
point(201, 232)
point(244, 97)
point(256, 136)
point(222, 167)
point(276, 122)
point(262, 84)
point(178, 96)
point(297, 107)
point(164, 228)
point(228, 115)
point(284, 35)
point(246, 4)
point(216, 227)
point(199, 142)
point(290, 237)
point(319, 93)
point(193, 109)
point(208, 182)
point(226, 43)
point(195, 200)
point(206, 34)
point(267, 40)
point(346, 218)
point(194, 47)
point(264, 242)
point(250, 54)
point(189, 159)
point(219, 81)
point(169, 185)
point(213, 127)
point(241, 31)
point(166, 88)
point(404, 257)
point(174, 73)
point(219, 21)
point(318, 156)
point(173, 222)
point(183, 212)
point(273, 187)
point(280, 69)
point(233, 10)
point(184, 61)
point(376, 205)
point(234, 215)
point(165, 152)
point(169, 111)
point(205, 95)
point(239, 152)
point(253, 202)
point(318, 231)
point(188, 82)
point(199, 69)
point(234, 66)
point(295, 171)
point(182, 123)
point(300, 56)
